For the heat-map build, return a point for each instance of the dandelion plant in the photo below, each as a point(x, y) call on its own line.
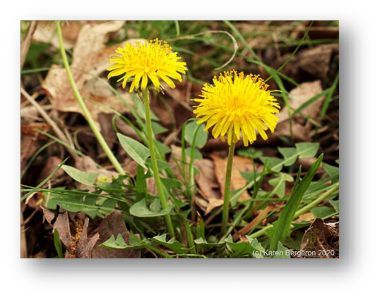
point(237, 107)
point(145, 65)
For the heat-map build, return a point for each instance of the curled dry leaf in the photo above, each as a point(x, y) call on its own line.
point(208, 186)
point(78, 244)
point(322, 238)
point(206, 179)
point(211, 177)
point(175, 162)
point(316, 61)
point(29, 140)
point(307, 217)
point(90, 59)
point(298, 96)
point(237, 181)
point(212, 204)
point(209, 204)
point(50, 165)
point(46, 32)
point(61, 224)
point(86, 245)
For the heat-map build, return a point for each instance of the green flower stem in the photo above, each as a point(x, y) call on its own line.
point(160, 190)
point(83, 106)
point(227, 188)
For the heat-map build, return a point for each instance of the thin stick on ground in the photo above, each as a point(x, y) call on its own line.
point(50, 121)
point(26, 42)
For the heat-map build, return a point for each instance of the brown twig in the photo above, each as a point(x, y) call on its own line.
point(260, 217)
point(26, 42)
point(53, 125)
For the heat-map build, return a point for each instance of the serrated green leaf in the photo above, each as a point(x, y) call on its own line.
point(197, 153)
point(193, 134)
point(250, 153)
point(171, 244)
point(171, 183)
point(119, 242)
point(82, 177)
point(278, 184)
point(249, 248)
point(140, 209)
point(282, 252)
point(272, 163)
point(203, 244)
point(332, 172)
point(158, 128)
point(335, 204)
point(137, 151)
point(307, 149)
point(162, 148)
point(290, 155)
point(74, 202)
point(323, 212)
point(258, 250)
point(240, 249)
point(250, 176)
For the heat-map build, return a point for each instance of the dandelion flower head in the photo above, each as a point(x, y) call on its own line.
point(237, 106)
point(144, 62)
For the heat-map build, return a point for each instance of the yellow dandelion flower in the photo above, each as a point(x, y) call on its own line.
point(237, 106)
point(144, 62)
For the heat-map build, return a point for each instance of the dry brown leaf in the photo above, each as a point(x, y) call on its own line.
point(316, 61)
point(90, 58)
point(322, 238)
point(301, 94)
point(175, 162)
point(206, 179)
point(80, 245)
point(297, 97)
point(212, 204)
point(163, 110)
point(240, 164)
point(299, 132)
point(201, 202)
point(86, 245)
point(308, 217)
point(209, 204)
point(46, 32)
point(29, 140)
point(61, 224)
point(112, 225)
point(51, 164)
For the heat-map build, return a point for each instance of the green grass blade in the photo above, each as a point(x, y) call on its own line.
point(329, 95)
point(286, 216)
